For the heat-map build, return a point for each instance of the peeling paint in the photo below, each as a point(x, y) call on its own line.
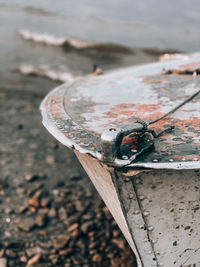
point(80, 113)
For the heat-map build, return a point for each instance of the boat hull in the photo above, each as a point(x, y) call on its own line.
point(158, 211)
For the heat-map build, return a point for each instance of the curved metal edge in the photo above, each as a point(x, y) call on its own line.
point(187, 165)
point(51, 127)
point(55, 131)
point(130, 206)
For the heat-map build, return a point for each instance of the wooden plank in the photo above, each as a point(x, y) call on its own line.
point(102, 179)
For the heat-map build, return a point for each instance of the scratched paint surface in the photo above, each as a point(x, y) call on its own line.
point(85, 109)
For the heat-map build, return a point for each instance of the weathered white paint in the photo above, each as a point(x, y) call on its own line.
point(135, 218)
point(169, 201)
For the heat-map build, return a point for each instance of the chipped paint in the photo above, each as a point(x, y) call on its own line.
point(79, 113)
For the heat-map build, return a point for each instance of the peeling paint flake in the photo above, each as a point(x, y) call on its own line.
point(78, 114)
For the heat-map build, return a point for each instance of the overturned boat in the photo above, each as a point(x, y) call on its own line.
point(136, 131)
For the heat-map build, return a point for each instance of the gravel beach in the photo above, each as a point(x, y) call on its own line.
point(51, 214)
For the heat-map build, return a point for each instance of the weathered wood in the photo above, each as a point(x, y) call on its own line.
point(101, 177)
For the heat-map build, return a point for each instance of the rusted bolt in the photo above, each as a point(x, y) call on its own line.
point(113, 129)
point(131, 196)
point(141, 197)
point(155, 160)
point(150, 228)
point(136, 212)
point(124, 157)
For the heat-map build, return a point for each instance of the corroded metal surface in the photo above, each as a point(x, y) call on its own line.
point(78, 114)
point(135, 219)
point(164, 207)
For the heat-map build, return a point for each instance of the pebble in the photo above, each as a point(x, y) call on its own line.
point(29, 177)
point(50, 160)
point(26, 224)
point(45, 202)
point(3, 262)
point(103, 244)
point(119, 243)
point(23, 208)
point(41, 219)
point(12, 263)
point(96, 258)
point(66, 251)
point(2, 251)
point(93, 245)
point(23, 259)
point(72, 219)
point(42, 232)
point(7, 244)
point(8, 210)
point(35, 259)
point(58, 199)
point(61, 241)
point(20, 190)
point(51, 256)
point(79, 206)
point(34, 201)
point(2, 191)
point(91, 234)
point(52, 212)
point(87, 216)
point(10, 253)
point(54, 260)
point(32, 209)
point(46, 245)
point(75, 233)
point(72, 227)
point(33, 251)
point(62, 214)
point(85, 227)
point(35, 189)
point(115, 233)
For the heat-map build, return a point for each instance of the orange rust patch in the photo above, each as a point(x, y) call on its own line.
point(191, 66)
point(193, 123)
point(177, 157)
point(130, 140)
point(91, 110)
point(134, 111)
point(147, 79)
point(187, 157)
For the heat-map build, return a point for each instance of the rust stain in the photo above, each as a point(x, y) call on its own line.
point(100, 101)
point(133, 111)
point(192, 66)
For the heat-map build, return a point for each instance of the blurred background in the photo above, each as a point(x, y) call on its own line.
point(50, 213)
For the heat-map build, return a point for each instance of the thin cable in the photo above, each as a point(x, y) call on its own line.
point(176, 108)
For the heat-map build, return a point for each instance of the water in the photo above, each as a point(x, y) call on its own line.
point(156, 24)
point(145, 23)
